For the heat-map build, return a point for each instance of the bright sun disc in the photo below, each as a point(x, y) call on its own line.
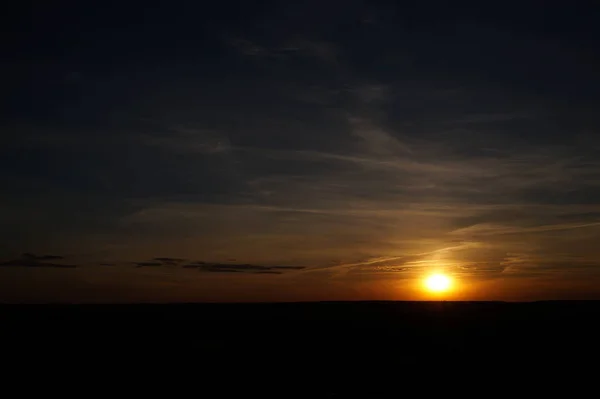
point(438, 283)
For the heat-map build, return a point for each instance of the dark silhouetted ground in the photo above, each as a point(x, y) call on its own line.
point(314, 349)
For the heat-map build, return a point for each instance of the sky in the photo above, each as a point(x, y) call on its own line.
point(291, 151)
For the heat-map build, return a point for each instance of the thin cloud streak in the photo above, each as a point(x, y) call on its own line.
point(490, 229)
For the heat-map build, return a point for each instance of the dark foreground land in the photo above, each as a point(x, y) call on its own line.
point(327, 348)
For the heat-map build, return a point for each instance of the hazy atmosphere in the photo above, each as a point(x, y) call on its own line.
point(284, 151)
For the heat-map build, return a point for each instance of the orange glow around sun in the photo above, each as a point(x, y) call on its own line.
point(438, 283)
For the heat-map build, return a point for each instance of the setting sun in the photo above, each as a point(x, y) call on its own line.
point(438, 283)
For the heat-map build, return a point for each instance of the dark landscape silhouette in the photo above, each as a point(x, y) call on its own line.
point(367, 345)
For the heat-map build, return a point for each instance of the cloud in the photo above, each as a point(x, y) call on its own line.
point(376, 139)
point(371, 93)
point(240, 268)
point(41, 257)
point(246, 46)
point(489, 229)
point(148, 264)
point(403, 264)
point(486, 118)
point(286, 48)
point(183, 139)
point(221, 270)
point(28, 260)
point(379, 269)
point(538, 264)
point(321, 50)
point(170, 261)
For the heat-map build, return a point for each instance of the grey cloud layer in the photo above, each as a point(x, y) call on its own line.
point(28, 260)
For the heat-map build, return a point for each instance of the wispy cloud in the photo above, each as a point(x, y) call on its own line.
point(149, 264)
point(493, 229)
point(41, 257)
point(28, 260)
point(246, 46)
point(185, 139)
point(240, 268)
point(170, 261)
point(377, 141)
point(537, 264)
point(409, 263)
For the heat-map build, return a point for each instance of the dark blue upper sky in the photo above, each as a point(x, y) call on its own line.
point(360, 140)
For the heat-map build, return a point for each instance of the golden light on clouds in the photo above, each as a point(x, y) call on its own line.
point(438, 283)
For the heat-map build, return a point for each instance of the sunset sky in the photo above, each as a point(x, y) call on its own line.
point(287, 150)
